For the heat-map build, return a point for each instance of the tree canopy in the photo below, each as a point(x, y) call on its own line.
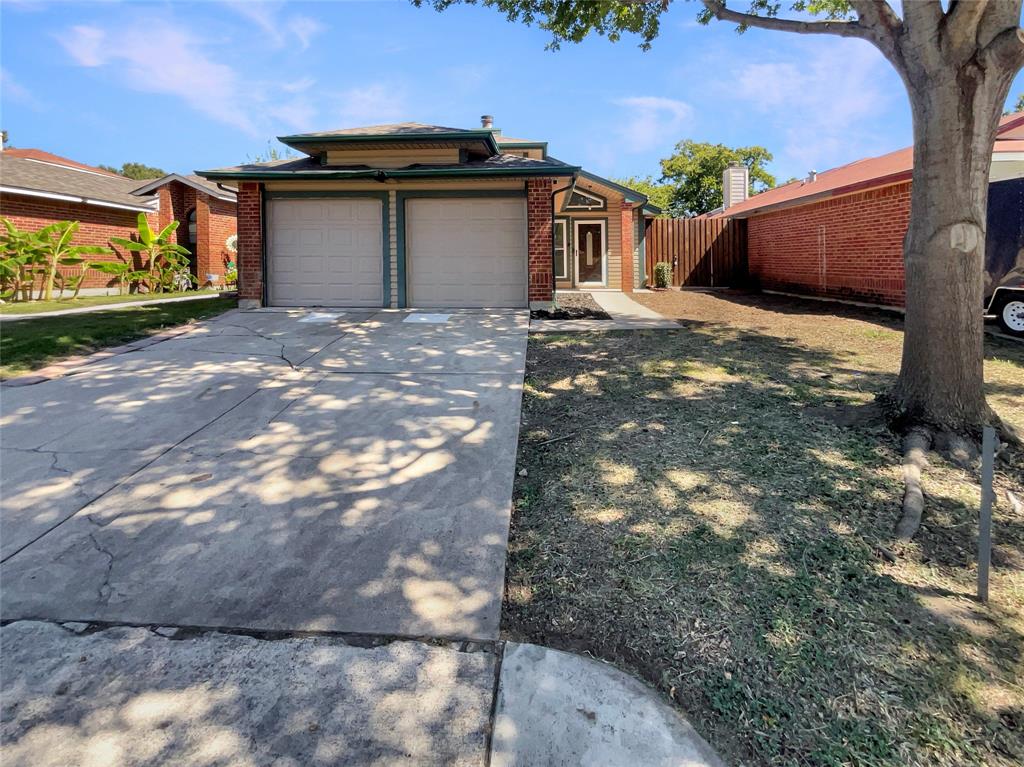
point(136, 170)
point(658, 193)
point(691, 178)
point(694, 173)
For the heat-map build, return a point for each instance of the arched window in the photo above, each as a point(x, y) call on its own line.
point(191, 223)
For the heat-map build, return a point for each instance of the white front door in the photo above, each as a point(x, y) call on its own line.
point(325, 252)
point(589, 246)
point(466, 252)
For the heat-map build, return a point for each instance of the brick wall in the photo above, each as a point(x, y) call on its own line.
point(627, 246)
point(96, 226)
point(223, 223)
point(250, 243)
point(849, 247)
point(215, 222)
point(539, 234)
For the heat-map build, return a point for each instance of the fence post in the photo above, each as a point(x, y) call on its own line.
point(988, 450)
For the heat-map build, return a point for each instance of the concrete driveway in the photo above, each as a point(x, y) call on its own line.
point(272, 470)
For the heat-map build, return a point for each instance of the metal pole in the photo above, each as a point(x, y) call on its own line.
point(988, 449)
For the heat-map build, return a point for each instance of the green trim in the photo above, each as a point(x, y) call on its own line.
point(383, 175)
point(585, 193)
point(385, 228)
point(400, 201)
point(630, 194)
point(485, 136)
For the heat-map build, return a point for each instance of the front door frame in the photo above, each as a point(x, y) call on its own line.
point(603, 223)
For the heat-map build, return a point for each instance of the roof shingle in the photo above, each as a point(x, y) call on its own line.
point(38, 176)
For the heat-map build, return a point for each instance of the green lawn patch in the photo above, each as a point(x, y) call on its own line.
point(59, 304)
point(687, 515)
point(31, 344)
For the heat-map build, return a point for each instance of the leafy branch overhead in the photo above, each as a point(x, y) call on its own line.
point(957, 60)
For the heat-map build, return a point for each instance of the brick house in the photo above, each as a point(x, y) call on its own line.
point(38, 188)
point(840, 233)
point(207, 213)
point(414, 215)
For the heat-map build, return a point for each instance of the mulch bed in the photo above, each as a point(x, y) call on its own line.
point(572, 306)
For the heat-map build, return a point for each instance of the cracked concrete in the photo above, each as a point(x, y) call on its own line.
point(367, 491)
point(257, 478)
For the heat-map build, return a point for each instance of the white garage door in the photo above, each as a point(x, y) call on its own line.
point(466, 252)
point(325, 252)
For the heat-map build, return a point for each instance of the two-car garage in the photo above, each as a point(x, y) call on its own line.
point(452, 251)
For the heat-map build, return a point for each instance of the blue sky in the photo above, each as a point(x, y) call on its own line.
point(185, 86)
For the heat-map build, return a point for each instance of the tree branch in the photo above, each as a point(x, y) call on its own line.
point(963, 18)
point(877, 13)
point(841, 28)
point(878, 16)
point(1007, 50)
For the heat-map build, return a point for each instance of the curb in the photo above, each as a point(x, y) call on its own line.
point(73, 364)
point(112, 307)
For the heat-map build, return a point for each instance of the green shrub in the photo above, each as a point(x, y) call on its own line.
point(662, 274)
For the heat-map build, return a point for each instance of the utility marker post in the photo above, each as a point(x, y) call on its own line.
point(988, 450)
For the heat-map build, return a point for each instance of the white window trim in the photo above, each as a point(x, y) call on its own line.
point(604, 248)
point(567, 274)
point(599, 203)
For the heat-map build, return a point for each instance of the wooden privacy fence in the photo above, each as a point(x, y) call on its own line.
point(704, 252)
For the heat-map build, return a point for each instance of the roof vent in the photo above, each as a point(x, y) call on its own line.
point(487, 121)
point(812, 176)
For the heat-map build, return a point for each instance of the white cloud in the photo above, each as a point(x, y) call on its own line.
point(13, 91)
point(371, 104)
point(160, 57)
point(86, 45)
point(280, 32)
point(304, 29)
point(652, 122)
point(298, 86)
point(818, 98)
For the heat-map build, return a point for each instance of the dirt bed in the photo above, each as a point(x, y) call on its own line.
point(687, 514)
point(572, 306)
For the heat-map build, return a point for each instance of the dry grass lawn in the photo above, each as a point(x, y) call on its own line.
point(685, 516)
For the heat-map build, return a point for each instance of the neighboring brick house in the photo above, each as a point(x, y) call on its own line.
point(414, 215)
point(38, 188)
point(208, 217)
point(840, 233)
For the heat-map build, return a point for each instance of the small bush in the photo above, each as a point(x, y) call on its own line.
point(662, 274)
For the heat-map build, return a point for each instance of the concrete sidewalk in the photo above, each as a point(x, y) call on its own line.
point(77, 695)
point(113, 306)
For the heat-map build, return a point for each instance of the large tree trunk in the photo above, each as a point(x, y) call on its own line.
point(940, 384)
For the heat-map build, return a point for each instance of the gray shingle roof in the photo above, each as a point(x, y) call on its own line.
point(392, 129)
point(33, 175)
point(191, 179)
point(504, 164)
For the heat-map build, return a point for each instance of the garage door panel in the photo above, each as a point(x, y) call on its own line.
point(325, 252)
point(466, 252)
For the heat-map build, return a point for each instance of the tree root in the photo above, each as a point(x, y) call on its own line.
point(916, 444)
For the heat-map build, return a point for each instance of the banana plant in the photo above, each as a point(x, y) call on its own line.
point(22, 257)
point(122, 272)
point(163, 258)
point(58, 250)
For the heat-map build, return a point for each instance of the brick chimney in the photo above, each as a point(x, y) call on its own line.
point(486, 122)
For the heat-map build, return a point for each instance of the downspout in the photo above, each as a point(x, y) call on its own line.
point(571, 188)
